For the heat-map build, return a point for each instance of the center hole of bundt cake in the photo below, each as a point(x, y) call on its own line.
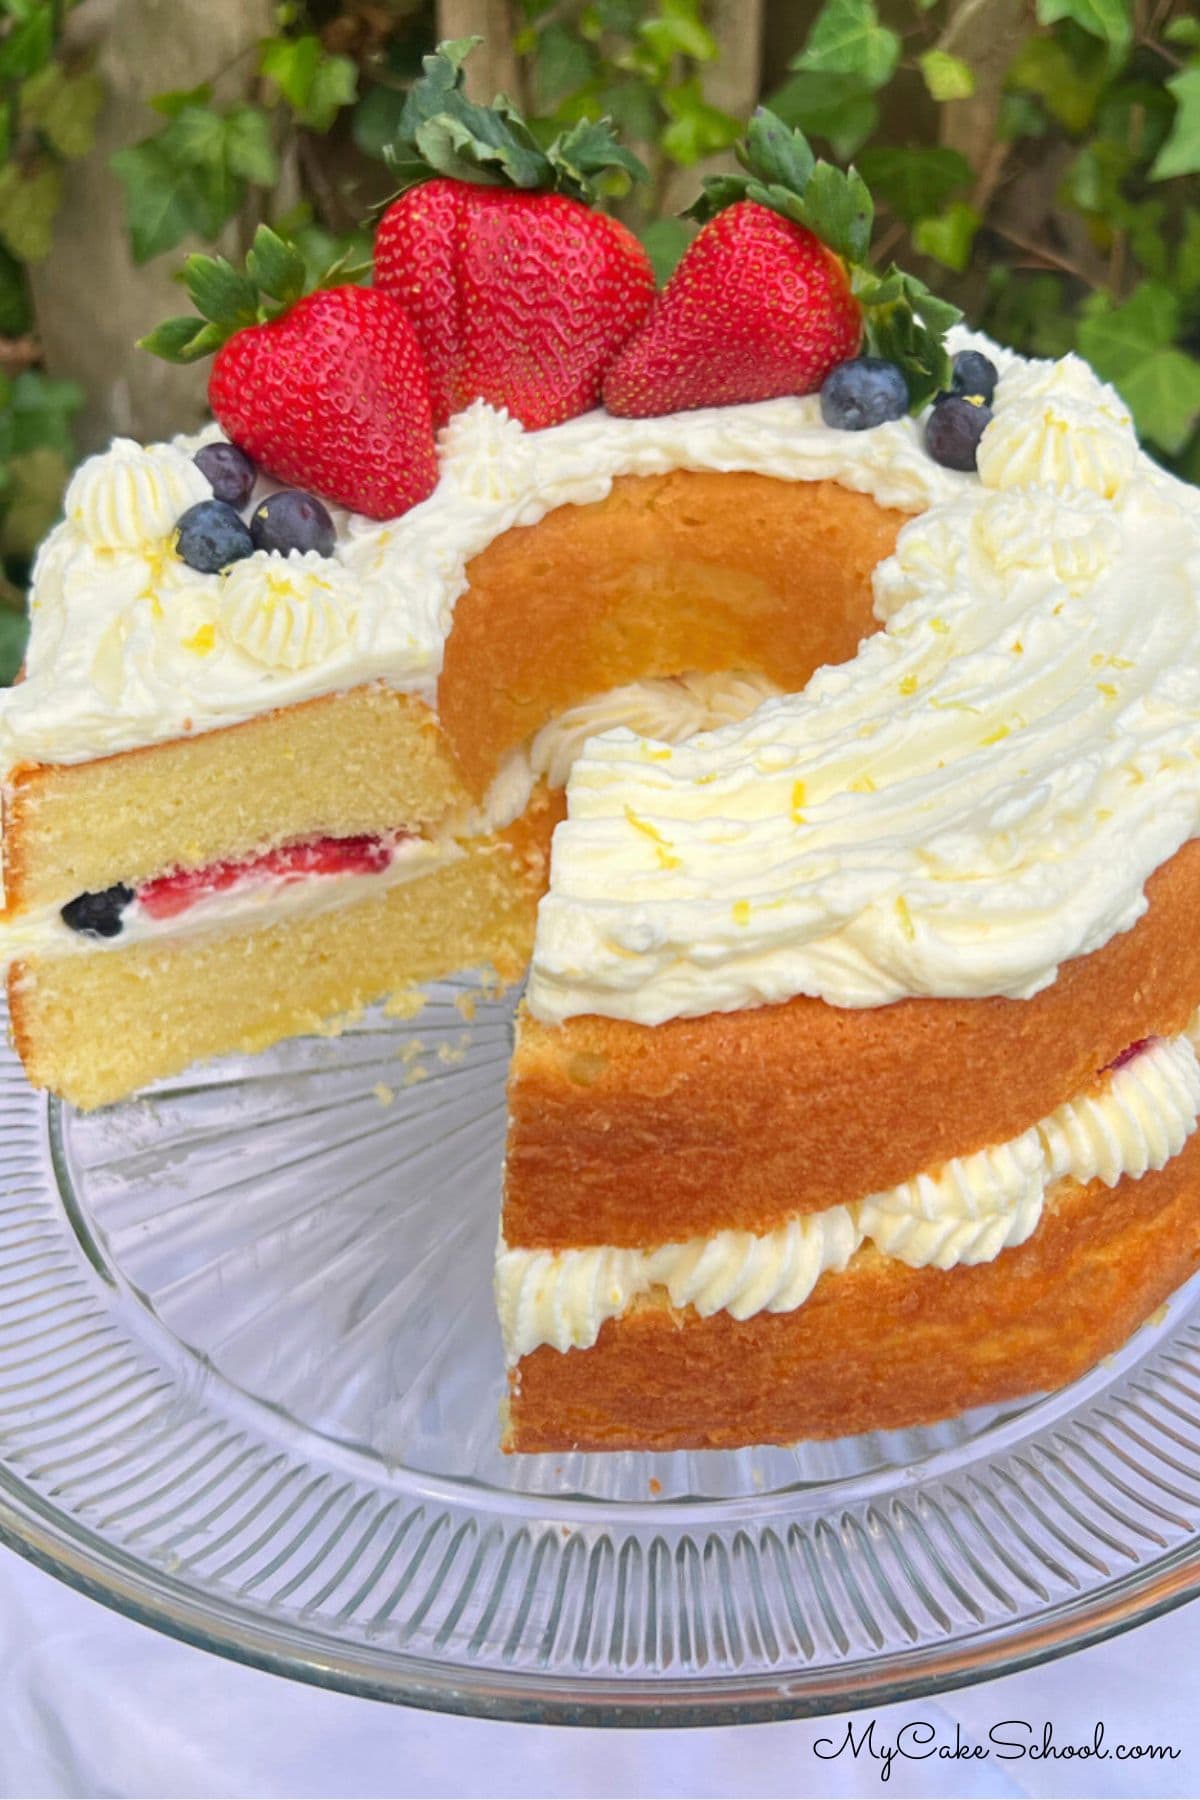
point(691, 571)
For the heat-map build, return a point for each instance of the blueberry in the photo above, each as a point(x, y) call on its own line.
point(98, 915)
point(862, 393)
point(229, 470)
point(975, 373)
point(953, 430)
point(292, 520)
point(211, 535)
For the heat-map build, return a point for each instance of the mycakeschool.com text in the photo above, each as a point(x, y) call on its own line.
point(1009, 1740)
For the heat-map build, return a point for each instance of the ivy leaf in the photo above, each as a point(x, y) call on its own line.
point(678, 32)
point(1185, 31)
point(1069, 87)
point(848, 39)
point(1187, 256)
point(1180, 155)
point(334, 85)
point(41, 410)
point(1134, 347)
point(377, 120)
point(1163, 394)
point(33, 502)
point(248, 149)
point(161, 205)
point(947, 77)
point(562, 62)
point(63, 108)
point(171, 104)
point(1115, 339)
point(838, 108)
point(14, 634)
point(291, 63)
point(16, 316)
point(1109, 20)
point(664, 241)
point(194, 138)
point(696, 129)
point(28, 46)
point(29, 200)
point(914, 183)
point(950, 237)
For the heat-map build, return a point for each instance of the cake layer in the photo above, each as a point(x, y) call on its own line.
point(968, 1211)
point(95, 1027)
point(690, 570)
point(879, 1346)
point(365, 761)
point(633, 1135)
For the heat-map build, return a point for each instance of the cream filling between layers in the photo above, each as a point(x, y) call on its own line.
point(966, 1212)
point(671, 710)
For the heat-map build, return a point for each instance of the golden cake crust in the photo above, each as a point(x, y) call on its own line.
point(879, 1346)
point(690, 570)
point(641, 1135)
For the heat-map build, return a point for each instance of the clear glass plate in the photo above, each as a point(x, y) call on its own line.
point(249, 1384)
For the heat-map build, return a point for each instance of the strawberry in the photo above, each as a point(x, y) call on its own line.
point(326, 391)
point(169, 895)
point(520, 294)
point(773, 293)
point(757, 307)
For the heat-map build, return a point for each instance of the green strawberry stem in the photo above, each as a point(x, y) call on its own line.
point(441, 132)
point(227, 299)
point(902, 319)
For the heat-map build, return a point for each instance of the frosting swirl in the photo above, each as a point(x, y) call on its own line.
point(286, 612)
point(131, 497)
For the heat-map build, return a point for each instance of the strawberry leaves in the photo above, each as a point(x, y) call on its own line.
point(228, 300)
point(441, 132)
point(902, 319)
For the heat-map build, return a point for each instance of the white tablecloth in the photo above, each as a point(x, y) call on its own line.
point(93, 1705)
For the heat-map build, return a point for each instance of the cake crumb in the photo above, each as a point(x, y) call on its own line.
point(1159, 1313)
point(449, 1054)
point(418, 1072)
point(384, 1094)
point(465, 1004)
point(409, 1052)
point(492, 985)
point(405, 1003)
point(655, 1485)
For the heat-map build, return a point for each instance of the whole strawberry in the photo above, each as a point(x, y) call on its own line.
point(520, 293)
point(773, 292)
point(326, 391)
point(756, 308)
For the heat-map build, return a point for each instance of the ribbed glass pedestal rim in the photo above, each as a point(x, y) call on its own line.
point(249, 1381)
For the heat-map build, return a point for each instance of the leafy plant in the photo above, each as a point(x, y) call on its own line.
point(1077, 225)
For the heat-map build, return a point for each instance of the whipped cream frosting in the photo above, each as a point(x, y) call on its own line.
point(669, 711)
point(129, 646)
point(981, 793)
point(1136, 1118)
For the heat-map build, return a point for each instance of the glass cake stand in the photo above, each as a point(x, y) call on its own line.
point(249, 1384)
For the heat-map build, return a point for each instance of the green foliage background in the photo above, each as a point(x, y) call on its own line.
point(1075, 224)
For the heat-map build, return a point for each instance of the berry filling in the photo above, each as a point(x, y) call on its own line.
point(169, 895)
point(1128, 1054)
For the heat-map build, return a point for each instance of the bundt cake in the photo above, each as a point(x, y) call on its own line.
point(856, 1080)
